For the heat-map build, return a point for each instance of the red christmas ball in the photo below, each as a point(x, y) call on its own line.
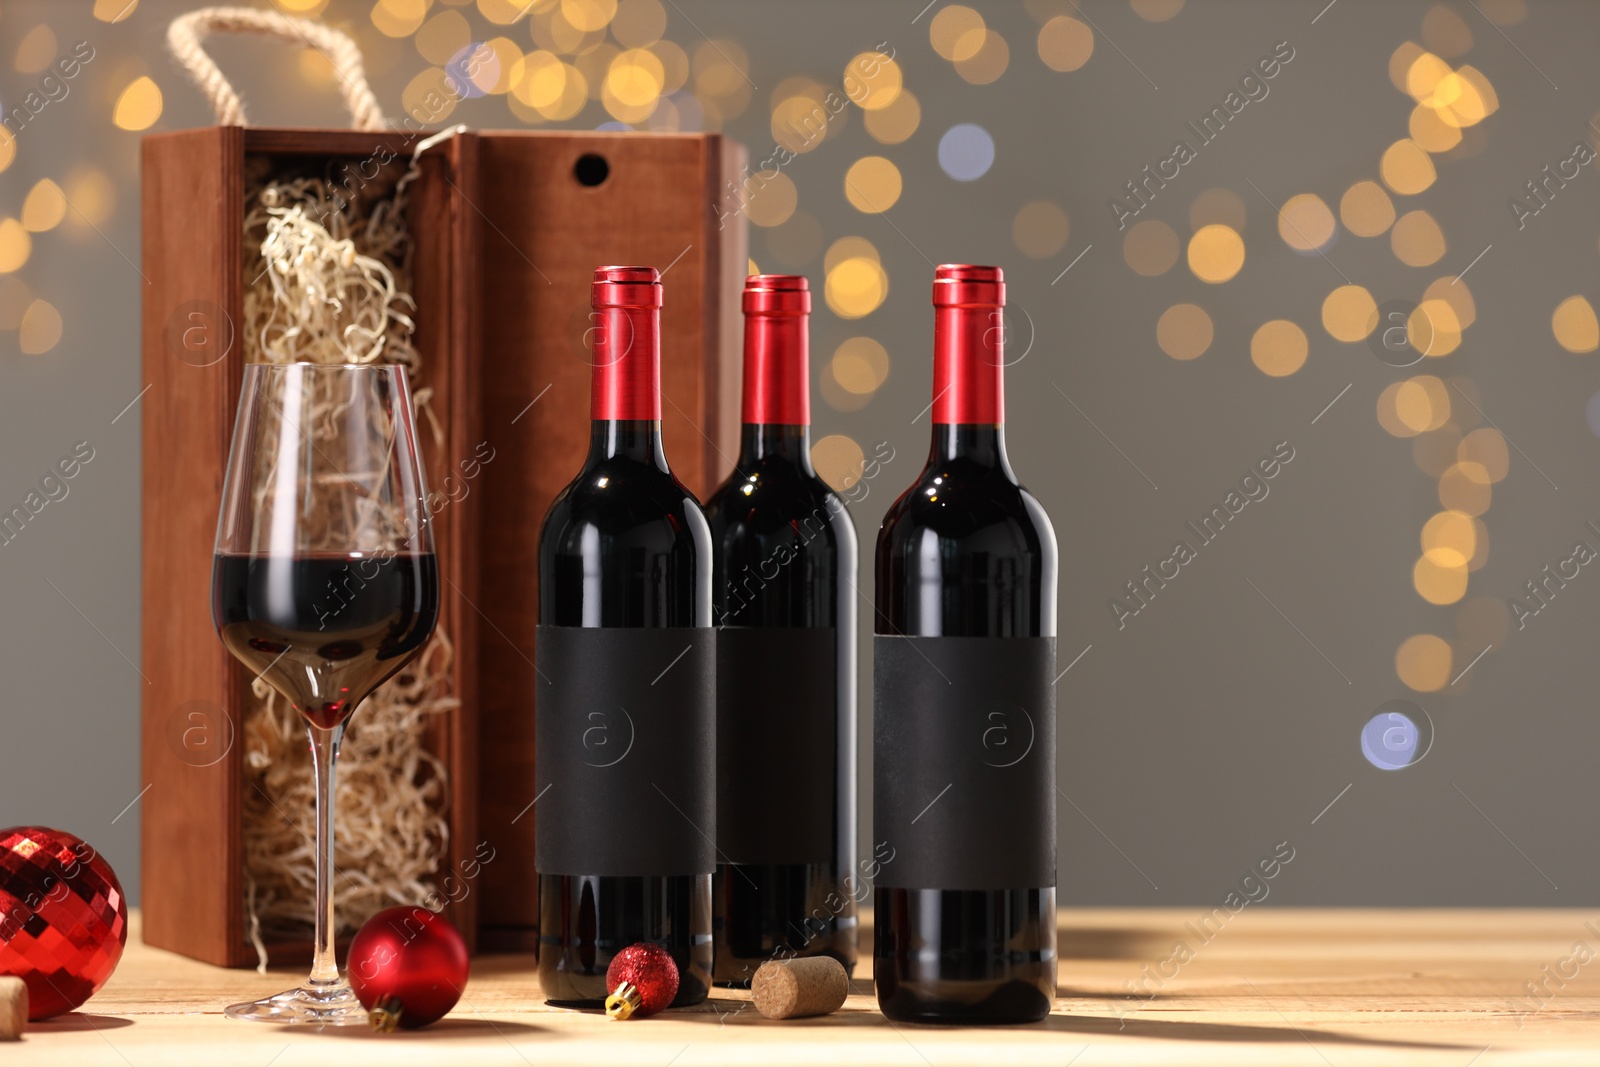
point(408, 967)
point(642, 979)
point(63, 918)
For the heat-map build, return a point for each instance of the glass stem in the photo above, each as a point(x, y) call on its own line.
point(324, 754)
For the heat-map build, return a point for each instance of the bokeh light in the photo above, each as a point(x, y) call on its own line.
point(1437, 583)
point(1278, 348)
point(114, 10)
point(1417, 240)
point(1156, 10)
point(769, 200)
point(838, 460)
point(1150, 247)
point(1574, 324)
point(139, 105)
point(873, 81)
point(15, 296)
point(1406, 167)
point(44, 208)
point(40, 329)
point(1423, 661)
point(1464, 490)
point(1391, 740)
point(872, 184)
point(1454, 291)
point(1483, 452)
point(895, 123)
point(1431, 131)
point(1065, 44)
point(860, 365)
point(1305, 222)
point(1349, 313)
point(957, 32)
point(36, 50)
point(966, 151)
point(639, 23)
point(856, 284)
point(1450, 538)
point(1222, 206)
point(986, 65)
point(15, 245)
point(1184, 331)
point(1216, 253)
point(1040, 229)
point(1445, 32)
point(399, 18)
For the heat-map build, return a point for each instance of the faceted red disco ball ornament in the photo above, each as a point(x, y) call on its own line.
point(63, 918)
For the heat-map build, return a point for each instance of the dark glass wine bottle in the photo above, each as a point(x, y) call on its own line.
point(964, 713)
point(785, 555)
point(624, 705)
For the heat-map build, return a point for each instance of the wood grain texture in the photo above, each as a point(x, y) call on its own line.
point(1280, 987)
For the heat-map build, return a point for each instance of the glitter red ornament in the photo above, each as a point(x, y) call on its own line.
point(642, 979)
point(408, 967)
point(63, 918)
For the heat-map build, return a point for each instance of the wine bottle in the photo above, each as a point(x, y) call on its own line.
point(963, 706)
point(784, 552)
point(625, 715)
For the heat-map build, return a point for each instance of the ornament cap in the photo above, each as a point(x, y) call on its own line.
point(624, 1001)
point(385, 1015)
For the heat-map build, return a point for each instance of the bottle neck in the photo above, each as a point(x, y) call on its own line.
point(777, 361)
point(983, 444)
point(772, 440)
point(625, 399)
point(968, 365)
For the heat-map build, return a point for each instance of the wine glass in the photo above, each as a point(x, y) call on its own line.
point(324, 583)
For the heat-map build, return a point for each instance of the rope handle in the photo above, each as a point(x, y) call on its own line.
point(187, 31)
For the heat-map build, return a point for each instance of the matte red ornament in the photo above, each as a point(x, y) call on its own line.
point(63, 918)
point(408, 967)
point(642, 979)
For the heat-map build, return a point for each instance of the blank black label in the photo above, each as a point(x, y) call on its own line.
point(964, 761)
point(623, 758)
point(777, 744)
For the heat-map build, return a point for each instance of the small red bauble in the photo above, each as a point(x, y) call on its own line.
point(408, 967)
point(63, 918)
point(642, 980)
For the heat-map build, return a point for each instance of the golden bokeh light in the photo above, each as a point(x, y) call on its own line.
point(1450, 538)
point(1464, 490)
point(1431, 131)
point(8, 148)
point(1040, 229)
point(590, 16)
point(1424, 75)
point(800, 123)
point(15, 246)
point(1216, 253)
point(1464, 97)
point(1433, 329)
point(1156, 10)
point(1400, 62)
point(872, 184)
point(1407, 168)
point(1278, 348)
point(1454, 291)
point(721, 70)
point(429, 97)
point(502, 12)
point(594, 63)
point(1349, 313)
point(139, 105)
point(45, 207)
point(40, 329)
point(856, 287)
point(492, 67)
point(957, 32)
point(1065, 44)
point(634, 80)
point(639, 23)
point(990, 61)
point(849, 248)
point(769, 200)
point(860, 365)
point(872, 81)
point(1437, 583)
point(399, 18)
point(114, 10)
point(1150, 247)
point(1417, 240)
point(90, 198)
point(674, 64)
point(1575, 325)
point(1305, 222)
point(750, 267)
point(1221, 206)
point(1184, 331)
point(36, 50)
point(442, 36)
point(1483, 453)
point(1423, 662)
point(1446, 32)
point(897, 122)
point(838, 460)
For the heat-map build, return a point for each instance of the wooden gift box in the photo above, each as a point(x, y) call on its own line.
point(507, 230)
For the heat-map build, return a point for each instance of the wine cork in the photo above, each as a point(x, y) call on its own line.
point(13, 1008)
point(789, 989)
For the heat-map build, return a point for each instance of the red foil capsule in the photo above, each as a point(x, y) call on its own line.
point(777, 349)
point(968, 344)
point(626, 338)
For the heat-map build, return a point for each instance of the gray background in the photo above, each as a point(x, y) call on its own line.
point(1208, 730)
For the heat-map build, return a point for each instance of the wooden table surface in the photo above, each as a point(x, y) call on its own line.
point(1324, 988)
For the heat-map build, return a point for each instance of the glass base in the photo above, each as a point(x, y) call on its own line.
point(331, 1005)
